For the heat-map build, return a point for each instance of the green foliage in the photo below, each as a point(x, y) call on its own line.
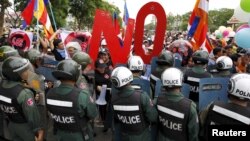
point(60, 11)
point(218, 18)
point(170, 22)
point(84, 11)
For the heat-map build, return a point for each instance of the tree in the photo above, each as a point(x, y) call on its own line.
point(185, 19)
point(60, 11)
point(218, 18)
point(3, 6)
point(170, 22)
point(84, 10)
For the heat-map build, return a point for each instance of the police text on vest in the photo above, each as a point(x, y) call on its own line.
point(129, 119)
point(170, 124)
point(63, 119)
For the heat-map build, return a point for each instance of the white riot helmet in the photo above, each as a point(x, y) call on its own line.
point(135, 63)
point(224, 63)
point(121, 76)
point(172, 77)
point(239, 86)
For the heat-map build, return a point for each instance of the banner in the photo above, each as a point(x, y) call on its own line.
point(83, 38)
point(20, 39)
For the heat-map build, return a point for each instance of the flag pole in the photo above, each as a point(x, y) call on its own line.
point(53, 18)
point(37, 27)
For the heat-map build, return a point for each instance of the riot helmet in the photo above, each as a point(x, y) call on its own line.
point(82, 59)
point(135, 63)
point(224, 63)
point(121, 76)
point(200, 57)
point(33, 55)
point(7, 51)
point(172, 77)
point(67, 70)
point(13, 67)
point(165, 58)
point(239, 86)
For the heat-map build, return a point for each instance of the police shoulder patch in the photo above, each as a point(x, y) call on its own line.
point(30, 102)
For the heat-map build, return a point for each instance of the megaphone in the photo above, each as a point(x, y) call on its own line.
point(101, 99)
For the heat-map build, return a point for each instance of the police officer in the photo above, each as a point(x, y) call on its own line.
point(177, 116)
point(223, 64)
point(71, 108)
point(192, 76)
point(5, 52)
point(165, 60)
point(133, 111)
point(136, 66)
point(84, 60)
point(235, 112)
point(17, 101)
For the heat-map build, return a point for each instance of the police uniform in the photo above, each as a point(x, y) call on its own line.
point(192, 77)
point(70, 108)
point(17, 102)
point(225, 73)
point(177, 118)
point(165, 60)
point(71, 121)
point(82, 83)
point(84, 60)
point(134, 121)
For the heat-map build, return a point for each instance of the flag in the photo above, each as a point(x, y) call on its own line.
point(24, 25)
point(46, 2)
point(42, 15)
point(116, 23)
point(27, 13)
point(198, 25)
point(125, 14)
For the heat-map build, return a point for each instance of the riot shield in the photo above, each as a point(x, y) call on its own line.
point(141, 84)
point(212, 89)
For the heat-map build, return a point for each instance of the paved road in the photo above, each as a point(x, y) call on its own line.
point(100, 136)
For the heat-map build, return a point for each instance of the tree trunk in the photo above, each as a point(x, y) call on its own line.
point(2, 19)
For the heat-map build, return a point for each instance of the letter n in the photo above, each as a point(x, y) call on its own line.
point(103, 24)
